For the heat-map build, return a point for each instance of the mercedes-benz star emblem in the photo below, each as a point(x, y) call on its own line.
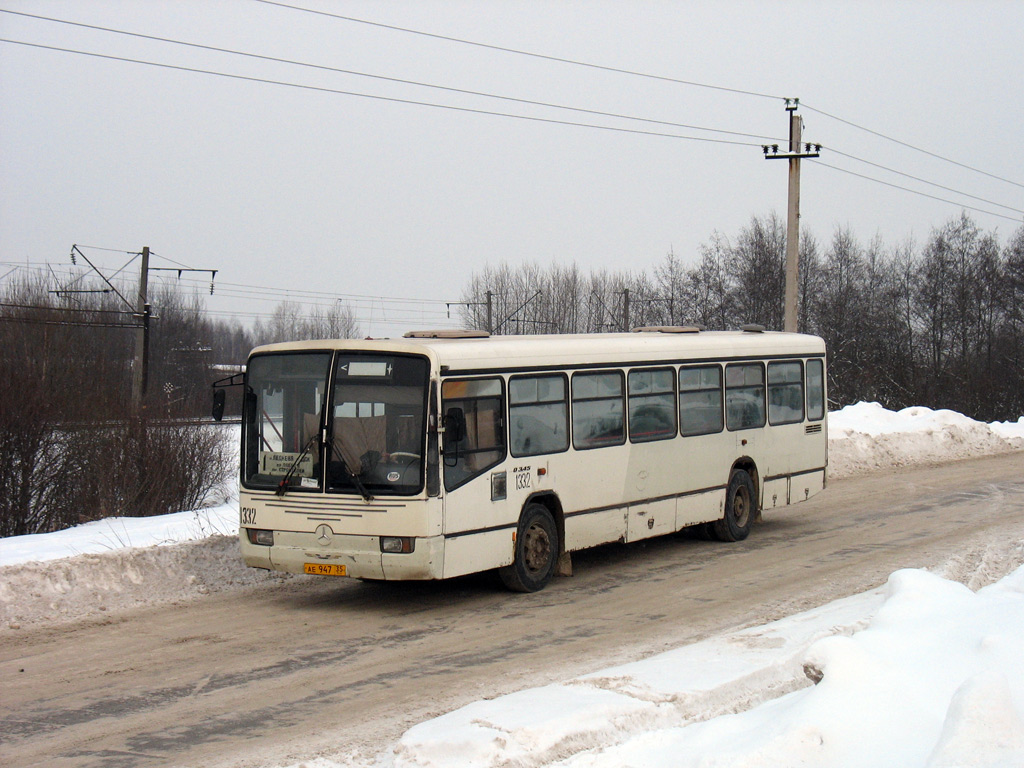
point(323, 535)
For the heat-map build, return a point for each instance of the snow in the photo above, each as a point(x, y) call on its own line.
point(119, 533)
point(922, 672)
point(865, 437)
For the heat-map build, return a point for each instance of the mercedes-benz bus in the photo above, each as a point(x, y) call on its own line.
point(444, 453)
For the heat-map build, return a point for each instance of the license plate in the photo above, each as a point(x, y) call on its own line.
point(324, 569)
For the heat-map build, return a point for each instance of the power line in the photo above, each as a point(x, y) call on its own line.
point(634, 73)
point(520, 52)
point(909, 146)
point(916, 192)
point(420, 84)
point(923, 181)
point(475, 93)
point(377, 97)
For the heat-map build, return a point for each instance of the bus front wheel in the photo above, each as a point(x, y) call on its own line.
point(536, 551)
point(740, 509)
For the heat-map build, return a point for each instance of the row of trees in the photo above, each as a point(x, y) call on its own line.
point(939, 324)
point(72, 447)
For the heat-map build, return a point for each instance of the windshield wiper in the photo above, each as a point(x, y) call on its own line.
point(354, 475)
point(282, 487)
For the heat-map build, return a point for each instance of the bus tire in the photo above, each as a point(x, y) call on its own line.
point(740, 509)
point(536, 551)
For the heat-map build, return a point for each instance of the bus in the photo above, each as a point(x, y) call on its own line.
point(444, 453)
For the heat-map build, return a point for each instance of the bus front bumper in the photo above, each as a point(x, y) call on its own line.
point(357, 556)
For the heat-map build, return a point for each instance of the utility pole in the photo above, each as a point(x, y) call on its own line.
point(490, 306)
point(794, 156)
point(141, 365)
point(625, 309)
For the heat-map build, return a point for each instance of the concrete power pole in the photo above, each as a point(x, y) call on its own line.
point(141, 364)
point(794, 156)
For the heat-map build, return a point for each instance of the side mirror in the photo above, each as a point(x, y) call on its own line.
point(454, 426)
point(218, 404)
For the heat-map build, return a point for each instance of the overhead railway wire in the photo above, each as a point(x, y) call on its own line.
point(41, 267)
point(401, 309)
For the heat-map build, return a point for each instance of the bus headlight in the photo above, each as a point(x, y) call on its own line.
point(261, 537)
point(399, 545)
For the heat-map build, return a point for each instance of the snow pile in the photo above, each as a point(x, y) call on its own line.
point(866, 437)
point(81, 587)
point(114, 533)
point(601, 716)
point(923, 672)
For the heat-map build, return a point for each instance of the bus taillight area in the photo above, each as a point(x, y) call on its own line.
point(324, 553)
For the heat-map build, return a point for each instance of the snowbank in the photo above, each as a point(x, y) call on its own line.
point(923, 672)
point(867, 437)
point(114, 533)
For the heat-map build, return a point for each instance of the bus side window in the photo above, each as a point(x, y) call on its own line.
point(785, 393)
point(478, 442)
point(652, 404)
point(700, 400)
point(815, 390)
point(598, 418)
point(744, 396)
point(538, 415)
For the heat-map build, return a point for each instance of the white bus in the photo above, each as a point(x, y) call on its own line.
point(452, 452)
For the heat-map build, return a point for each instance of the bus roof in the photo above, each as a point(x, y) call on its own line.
point(495, 353)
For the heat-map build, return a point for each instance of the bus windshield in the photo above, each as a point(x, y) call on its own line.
point(376, 431)
point(374, 418)
point(284, 399)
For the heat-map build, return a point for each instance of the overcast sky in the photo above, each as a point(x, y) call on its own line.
point(298, 189)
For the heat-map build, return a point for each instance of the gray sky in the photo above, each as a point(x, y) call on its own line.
point(296, 189)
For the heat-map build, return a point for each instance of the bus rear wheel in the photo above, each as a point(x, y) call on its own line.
point(740, 509)
point(536, 552)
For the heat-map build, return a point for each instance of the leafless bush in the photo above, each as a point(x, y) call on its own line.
point(129, 470)
point(69, 448)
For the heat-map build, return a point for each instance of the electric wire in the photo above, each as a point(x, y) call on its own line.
point(923, 181)
point(483, 94)
point(632, 73)
point(524, 101)
point(915, 191)
point(909, 146)
point(520, 52)
point(398, 308)
point(378, 97)
point(338, 70)
point(66, 309)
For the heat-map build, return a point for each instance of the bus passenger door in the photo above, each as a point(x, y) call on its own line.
point(474, 476)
